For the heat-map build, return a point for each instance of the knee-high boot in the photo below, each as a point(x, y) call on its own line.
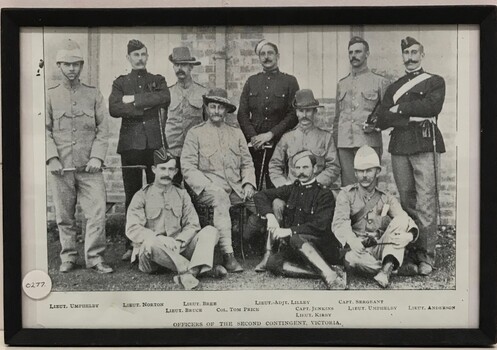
point(314, 258)
point(293, 270)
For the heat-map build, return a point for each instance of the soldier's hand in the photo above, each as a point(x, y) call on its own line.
point(280, 233)
point(55, 166)
point(401, 239)
point(128, 98)
point(248, 192)
point(93, 165)
point(272, 223)
point(170, 243)
point(355, 245)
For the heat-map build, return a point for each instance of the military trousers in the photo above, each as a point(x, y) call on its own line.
point(198, 253)
point(133, 178)
point(221, 201)
point(416, 182)
point(346, 158)
point(90, 190)
point(370, 260)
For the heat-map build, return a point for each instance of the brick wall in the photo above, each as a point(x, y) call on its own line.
point(240, 42)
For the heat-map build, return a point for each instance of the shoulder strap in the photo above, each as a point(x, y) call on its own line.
point(366, 209)
point(409, 85)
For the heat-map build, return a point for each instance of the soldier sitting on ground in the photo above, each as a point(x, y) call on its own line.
point(361, 222)
point(165, 230)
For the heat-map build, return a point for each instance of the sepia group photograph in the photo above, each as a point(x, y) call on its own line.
point(250, 176)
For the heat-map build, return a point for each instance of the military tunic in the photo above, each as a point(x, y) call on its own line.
point(266, 105)
point(377, 222)
point(140, 120)
point(216, 164)
point(357, 96)
point(319, 142)
point(76, 123)
point(411, 146)
point(185, 111)
point(308, 213)
point(155, 212)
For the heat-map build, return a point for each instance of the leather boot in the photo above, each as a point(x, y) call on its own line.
point(231, 264)
point(261, 267)
point(293, 270)
point(314, 258)
point(384, 275)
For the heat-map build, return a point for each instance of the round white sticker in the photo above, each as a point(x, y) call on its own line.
point(37, 284)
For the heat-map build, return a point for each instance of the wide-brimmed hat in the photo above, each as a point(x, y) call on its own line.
point(182, 55)
point(220, 96)
point(304, 99)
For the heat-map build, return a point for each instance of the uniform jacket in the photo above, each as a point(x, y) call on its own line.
point(154, 211)
point(184, 112)
point(424, 100)
point(309, 208)
point(76, 122)
point(218, 156)
point(140, 120)
point(357, 96)
point(266, 104)
point(319, 142)
point(351, 200)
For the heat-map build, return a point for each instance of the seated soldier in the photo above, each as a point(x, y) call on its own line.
point(361, 221)
point(217, 165)
point(164, 228)
point(305, 235)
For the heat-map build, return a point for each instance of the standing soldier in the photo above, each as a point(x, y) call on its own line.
point(77, 137)
point(411, 106)
point(266, 111)
point(185, 109)
point(357, 96)
point(217, 166)
point(137, 98)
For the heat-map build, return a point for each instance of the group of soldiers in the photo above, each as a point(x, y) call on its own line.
point(278, 164)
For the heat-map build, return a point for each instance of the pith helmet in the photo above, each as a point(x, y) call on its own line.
point(69, 52)
point(366, 158)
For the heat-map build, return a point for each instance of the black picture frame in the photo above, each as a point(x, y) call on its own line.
point(12, 21)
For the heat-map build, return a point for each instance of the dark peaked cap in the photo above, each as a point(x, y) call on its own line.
point(408, 42)
point(134, 45)
point(358, 39)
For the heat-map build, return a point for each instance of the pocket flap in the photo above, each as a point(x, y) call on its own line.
point(370, 95)
point(152, 212)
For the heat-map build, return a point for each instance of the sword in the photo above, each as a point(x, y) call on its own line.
point(265, 147)
point(435, 165)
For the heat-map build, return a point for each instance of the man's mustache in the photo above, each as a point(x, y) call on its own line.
point(267, 60)
point(410, 61)
point(354, 60)
point(180, 72)
point(165, 178)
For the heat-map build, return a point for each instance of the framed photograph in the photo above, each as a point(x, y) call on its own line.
point(250, 176)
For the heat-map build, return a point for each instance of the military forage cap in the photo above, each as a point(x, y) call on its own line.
point(366, 158)
point(69, 52)
point(304, 99)
point(261, 44)
point(408, 42)
point(162, 156)
point(134, 45)
point(182, 55)
point(303, 154)
point(220, 96)
point(358, 39)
